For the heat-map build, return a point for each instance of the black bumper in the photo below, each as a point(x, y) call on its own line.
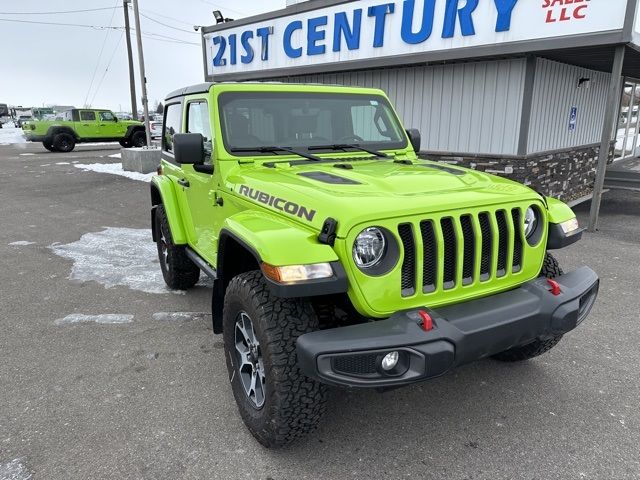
point(461, 334)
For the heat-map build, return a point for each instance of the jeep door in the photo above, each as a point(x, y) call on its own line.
point(109, 125)
point(200, 194)
point(87, 127)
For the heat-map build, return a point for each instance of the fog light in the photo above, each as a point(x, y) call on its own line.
point(390, 361)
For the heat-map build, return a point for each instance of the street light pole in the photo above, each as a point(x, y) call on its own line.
point(132, 78)
point(143, 77)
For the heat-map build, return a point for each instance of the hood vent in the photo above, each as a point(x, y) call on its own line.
point(329, 178)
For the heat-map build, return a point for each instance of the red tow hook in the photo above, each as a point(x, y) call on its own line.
point(555, 287)
point(426, 322)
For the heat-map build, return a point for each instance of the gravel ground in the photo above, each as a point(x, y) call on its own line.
point(107, 375)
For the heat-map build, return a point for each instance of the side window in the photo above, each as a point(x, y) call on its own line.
point(171, 125)
point(87, 116)
point(106, 116)
point(198, 122)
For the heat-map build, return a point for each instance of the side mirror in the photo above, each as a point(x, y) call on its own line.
point(188, 148)
point(414, 138)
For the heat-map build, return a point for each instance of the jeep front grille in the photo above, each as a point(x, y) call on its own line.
point(461, 250)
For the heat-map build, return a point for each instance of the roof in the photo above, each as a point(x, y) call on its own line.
point(199, 88)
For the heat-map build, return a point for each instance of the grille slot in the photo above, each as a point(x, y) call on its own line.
point(468, 261)
point(487, 239)
point(503, 243)
point(409, 260)
point(429, 257)
point(450, 258)
point(516, 265)
point(364, 364)
point(447, 253)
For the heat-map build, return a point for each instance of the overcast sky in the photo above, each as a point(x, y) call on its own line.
point(48, 64)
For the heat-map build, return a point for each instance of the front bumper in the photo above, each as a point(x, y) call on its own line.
point(461, 333)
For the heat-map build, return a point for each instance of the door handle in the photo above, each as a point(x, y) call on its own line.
point(85, 124)
point(184, 183)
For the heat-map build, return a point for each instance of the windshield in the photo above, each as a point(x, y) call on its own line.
point(303, 120)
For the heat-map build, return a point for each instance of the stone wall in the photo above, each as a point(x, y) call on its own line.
point(564, 174)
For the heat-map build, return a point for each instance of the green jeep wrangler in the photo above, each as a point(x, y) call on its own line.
point(341, 258)
point(85, 125)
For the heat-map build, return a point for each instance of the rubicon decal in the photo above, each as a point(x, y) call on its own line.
point(278, 203)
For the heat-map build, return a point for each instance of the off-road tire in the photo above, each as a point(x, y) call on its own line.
point(64, 142)
point(124, 143)
point(138, 139)
point(293, 403)
point(48, 145)
point(550, 269)
point(178, 271)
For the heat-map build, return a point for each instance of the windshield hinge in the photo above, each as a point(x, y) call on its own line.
point(328, 233)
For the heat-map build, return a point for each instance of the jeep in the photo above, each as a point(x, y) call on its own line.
point(339, 257)
point(84, 125)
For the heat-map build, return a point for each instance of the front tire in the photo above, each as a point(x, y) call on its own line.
point(550, 269)
point(138, 139)
point(178, 271)
point(64, 142)
point(277, 402)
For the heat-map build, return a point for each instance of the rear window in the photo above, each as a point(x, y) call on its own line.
point(87, 116)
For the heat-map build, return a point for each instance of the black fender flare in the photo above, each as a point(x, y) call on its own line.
point(53, 131)
point(131, 129)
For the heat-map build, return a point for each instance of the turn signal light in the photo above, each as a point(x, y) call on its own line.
point(297, 273)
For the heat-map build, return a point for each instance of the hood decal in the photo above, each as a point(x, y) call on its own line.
point(278, 203)
point(325, 177)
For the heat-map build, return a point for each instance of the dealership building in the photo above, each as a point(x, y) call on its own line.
point(541, 91)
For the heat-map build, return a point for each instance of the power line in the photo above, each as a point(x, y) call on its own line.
point(102, 27)
point(224, 8)
point(168, 26)
point(150, 12)
point(106, 69)
point(95, 27)
point(104, 42)
point(56, 13)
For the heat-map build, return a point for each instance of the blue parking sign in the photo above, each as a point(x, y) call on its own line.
point(573, 117)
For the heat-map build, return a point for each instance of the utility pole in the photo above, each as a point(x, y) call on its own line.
point(143, 77)
point(132, 78)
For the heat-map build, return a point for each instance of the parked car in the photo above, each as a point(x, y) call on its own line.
point(339, 257)
point(85, 125)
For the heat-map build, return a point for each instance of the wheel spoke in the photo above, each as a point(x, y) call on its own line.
point(249, 360)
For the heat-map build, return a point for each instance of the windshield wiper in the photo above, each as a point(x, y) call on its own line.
point(344, 146)
point(274, 149)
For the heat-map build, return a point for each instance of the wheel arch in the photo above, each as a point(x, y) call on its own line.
point(163, 193)
point(250, 238)
point(131, 129)
point(53, 131)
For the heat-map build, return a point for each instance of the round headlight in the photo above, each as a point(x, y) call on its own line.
point(369, 247)
point(530, 222)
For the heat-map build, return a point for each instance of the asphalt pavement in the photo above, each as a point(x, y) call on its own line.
point(143, 393)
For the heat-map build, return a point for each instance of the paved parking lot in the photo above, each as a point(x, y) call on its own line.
point(143, 393)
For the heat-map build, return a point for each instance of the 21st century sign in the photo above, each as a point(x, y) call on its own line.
point(367, 29)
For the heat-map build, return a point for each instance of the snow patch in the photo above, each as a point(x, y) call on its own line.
point(26, 154)
point(10, 135)
point(105, 318)
point(116, 155)
point(178, 316)
point(62, 163)
point(21, 243)
point(14, 470)
point(114, 169)
point(116, 256)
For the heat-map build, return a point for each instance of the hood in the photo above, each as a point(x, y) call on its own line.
point(367, 190)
